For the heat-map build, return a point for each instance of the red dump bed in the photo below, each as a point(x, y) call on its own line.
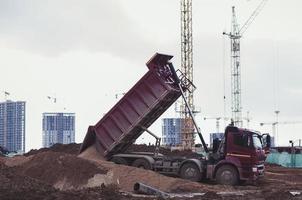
point(152, 95)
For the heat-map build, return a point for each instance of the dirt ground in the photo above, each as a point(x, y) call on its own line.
point(59, 173)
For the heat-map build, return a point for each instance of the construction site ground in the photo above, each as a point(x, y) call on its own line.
point(60, 173)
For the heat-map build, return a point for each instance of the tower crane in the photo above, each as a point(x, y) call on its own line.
point(187, 126)
point(274, 124)
point(235, 36)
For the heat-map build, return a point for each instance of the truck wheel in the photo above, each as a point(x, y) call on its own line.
point(119, 161)
point(141, 163)
point(227, 175)
point(190, 171)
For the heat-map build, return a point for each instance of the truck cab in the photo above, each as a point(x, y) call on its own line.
point(240, 155)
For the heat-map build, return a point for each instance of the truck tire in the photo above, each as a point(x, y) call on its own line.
point(227, 175)
point(190, 171)
point(141, 163)
point(119, 161)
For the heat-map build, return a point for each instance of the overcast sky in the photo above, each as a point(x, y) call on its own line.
point(86, 52)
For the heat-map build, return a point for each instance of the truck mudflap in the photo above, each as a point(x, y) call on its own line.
point(145, 102)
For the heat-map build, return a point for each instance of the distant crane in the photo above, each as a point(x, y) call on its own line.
point(274, 124)
point(217, 122)
point(248, 119)
point(54, 99)
point(6, 94)
point(235, 36)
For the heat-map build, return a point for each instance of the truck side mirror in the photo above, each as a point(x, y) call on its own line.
point(268, 141)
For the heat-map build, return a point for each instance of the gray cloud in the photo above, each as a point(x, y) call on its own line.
point(52, 27)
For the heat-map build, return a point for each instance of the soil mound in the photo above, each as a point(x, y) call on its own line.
point(125, 176)
point(72, 148)
point(59, 173)
point(61, 170)
point(16, 187)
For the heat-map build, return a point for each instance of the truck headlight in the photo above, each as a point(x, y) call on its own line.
point(254, 169)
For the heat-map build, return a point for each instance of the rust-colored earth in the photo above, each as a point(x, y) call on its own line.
point(59, 173)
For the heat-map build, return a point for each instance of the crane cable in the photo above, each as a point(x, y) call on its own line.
point(252, 17)
point(224, 78)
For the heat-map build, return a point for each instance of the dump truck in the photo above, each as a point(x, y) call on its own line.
point(239, 156)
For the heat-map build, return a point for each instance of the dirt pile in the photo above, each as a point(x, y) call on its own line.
point(57, 173)
point(125, 176)
point(72, 148)
point(16, 160)
point(64, 171)
point(54, 175)
point(16, 186)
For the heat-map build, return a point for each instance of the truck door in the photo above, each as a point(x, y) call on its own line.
point(238, 151)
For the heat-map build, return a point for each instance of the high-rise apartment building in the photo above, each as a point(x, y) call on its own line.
point(12, 125)
point(171, 128)
point(58, 128)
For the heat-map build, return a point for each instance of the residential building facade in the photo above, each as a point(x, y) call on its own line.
point(171, 131)
point(58, 128)
point(12, 125)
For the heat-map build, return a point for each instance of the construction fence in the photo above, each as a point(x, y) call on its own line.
point(285, 159)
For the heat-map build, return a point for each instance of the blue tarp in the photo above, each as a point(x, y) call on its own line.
point(285, 159)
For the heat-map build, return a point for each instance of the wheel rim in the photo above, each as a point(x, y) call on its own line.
point(227, 176)
point(190, 172)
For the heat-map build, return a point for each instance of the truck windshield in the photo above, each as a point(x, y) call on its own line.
point(257, 142)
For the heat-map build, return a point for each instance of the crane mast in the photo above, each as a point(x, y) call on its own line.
point(235, 71)
point(235, 36)
point(236, 106)
point(187, 126)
